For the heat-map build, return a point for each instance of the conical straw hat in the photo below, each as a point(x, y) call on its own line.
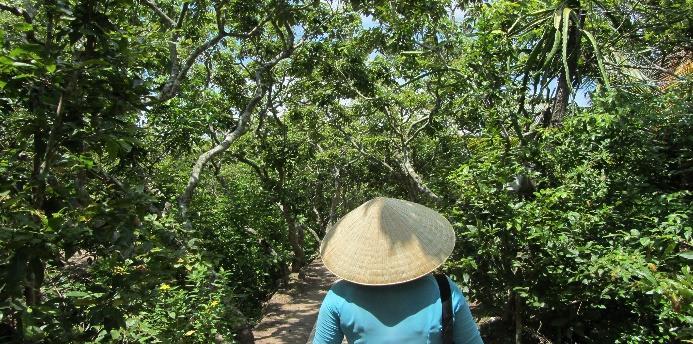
point(387, 241)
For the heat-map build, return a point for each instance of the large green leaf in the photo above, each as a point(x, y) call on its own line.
point(598, 55)
point(687, 255)
point(554, 49)
point(565, 20)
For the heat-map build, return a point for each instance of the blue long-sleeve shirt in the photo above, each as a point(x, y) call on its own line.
point(404, 313)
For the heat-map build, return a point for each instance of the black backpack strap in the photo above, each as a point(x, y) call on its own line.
point(446, 301)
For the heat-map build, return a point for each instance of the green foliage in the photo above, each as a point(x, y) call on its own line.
point(600, 244)
point(574, 218)
point(199, 311)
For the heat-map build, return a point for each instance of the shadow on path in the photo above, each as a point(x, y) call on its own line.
point(290, 314)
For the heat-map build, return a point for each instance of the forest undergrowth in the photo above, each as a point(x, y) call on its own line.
point(166, 164)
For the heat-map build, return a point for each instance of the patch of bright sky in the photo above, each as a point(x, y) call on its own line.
point(581, 95)
point(298, 32)
point(368, 22)
point(373, 55)
point(336, 5)
point(458, 14)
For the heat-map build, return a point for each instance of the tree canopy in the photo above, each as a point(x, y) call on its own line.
point(166, 164)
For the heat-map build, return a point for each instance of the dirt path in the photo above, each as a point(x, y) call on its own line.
point(290, 314)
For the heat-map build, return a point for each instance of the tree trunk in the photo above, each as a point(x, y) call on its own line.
point(32, 282)
point(241, 128)
point(518, 319)
point(334, 202)
point(560, 102)
point(413, 180)
point(296, 237)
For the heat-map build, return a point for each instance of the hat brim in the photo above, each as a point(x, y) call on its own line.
point(387, 241)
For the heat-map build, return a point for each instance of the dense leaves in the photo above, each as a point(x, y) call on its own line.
point(166, 164)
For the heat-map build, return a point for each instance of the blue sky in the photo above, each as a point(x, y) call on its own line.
point(369, 22)
point(582, 98)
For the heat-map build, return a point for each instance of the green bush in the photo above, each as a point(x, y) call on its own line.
point(601, 250)
point(199, 310)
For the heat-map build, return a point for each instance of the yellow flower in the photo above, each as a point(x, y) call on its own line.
point(164, 287)
point(214, 303)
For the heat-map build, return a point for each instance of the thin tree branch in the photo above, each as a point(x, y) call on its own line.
point(241, 128)
point(177, 72)
point(655, 68)
point(261, 172)
point(107, 178)
point(428, 119)
point(363, 152)
point(17, 12)
point(396, 125)
point(263, 114)
point(30, 35)
point(151, 4)
point(217, 174)
point(312, 232)
point(181, 17)
point(52, 138)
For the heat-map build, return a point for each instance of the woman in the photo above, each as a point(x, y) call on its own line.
point(384, 251)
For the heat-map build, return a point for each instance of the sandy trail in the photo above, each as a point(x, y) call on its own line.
point(290, 314)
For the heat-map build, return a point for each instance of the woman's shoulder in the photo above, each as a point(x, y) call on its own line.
point(335, 297)
point(339, 288)
point(458, 298)
point(339, 284)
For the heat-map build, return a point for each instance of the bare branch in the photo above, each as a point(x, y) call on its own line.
point(181, 17)
point(334, 202)
point(30, 35)
point(173, 84)
point(217, 174)
point(396, 124)
point(417, 131)
point(218, 17)
point(177, 72)
point(653, 67)
point(312, 232)
point(418, 77)
point(17, 12)
point(261, 172)
point(107, 178)
point(288, 50)
point(419, 121)
point(241, 128)
point(151, 4)
point(173, 44)
point(50, 146)
point(265, 109)
point(253, 32)
point(363, 152)
point(415, 180)
point(428, 119)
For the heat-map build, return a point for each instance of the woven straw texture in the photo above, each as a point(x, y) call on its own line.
point(387, 241)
